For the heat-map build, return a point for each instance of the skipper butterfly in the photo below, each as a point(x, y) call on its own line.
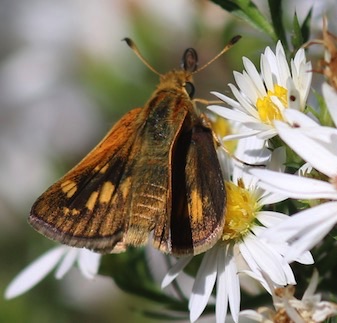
point(156, 171)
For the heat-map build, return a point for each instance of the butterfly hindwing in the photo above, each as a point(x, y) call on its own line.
point(198, 197)
point(197, 223)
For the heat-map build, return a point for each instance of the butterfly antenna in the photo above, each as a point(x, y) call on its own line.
point(225, 49)
point(133, 46)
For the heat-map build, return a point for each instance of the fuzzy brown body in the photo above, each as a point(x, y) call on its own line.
point(155, 171)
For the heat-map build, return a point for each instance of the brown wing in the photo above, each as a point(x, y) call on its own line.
point(88, 206)
point(198, 195)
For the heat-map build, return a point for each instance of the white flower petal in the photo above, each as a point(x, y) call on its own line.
point(253, 151)
point(305, 258)
point(304, 229)
point(270, 133)
point(221, 304)
point(175, 270)
point(271, 58)
point(311, 150)
point(203, 285)
point(232, 114)
point(241, 135)
point(312, 235)
point(67, 262)
point(271, 197)
point(293, 97)
point(300, 119)
point(302, 74)
point(35, 272)
point(270, 218)
point(88, 263)
point(323, 311)
point(326, 136)
point(252, 315)
point(278, 159)
point(294, 186)
point(310, 291)
point(226, 99)
point(245, 106)
point(257, 230)
point(283, 67)
point(245, 84)
point(233, 285)
point(255, 77)
point(267, 72)
point(256, 252)
point(258, 277)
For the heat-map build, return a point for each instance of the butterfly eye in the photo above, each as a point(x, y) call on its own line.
point(190, 89)
point(190, 60)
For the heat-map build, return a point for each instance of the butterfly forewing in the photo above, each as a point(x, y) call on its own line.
point(88, 206)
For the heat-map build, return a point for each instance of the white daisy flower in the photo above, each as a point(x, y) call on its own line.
point(310, 308)
point(263, 97)
point(61, 257)
point(316, 145)
point(241, 249)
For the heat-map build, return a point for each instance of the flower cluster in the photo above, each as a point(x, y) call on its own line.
point(268, 105)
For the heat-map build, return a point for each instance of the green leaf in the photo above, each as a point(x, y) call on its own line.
point(305, 29)
point(275, 7)
point(296, 38)
point(247, 10)
point(301, 33)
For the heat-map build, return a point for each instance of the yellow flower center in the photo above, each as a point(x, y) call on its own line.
point(241, 211)
point(268, 110)
point(223, 128)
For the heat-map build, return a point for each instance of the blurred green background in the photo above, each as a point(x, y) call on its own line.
point(65, 78)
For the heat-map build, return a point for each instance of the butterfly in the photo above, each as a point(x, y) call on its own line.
point(154, 175)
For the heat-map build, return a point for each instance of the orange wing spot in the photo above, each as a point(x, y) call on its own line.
point(125, 188)
point(92, 201)
point(69, 188)
point(106, 192)
point(67, 211)
point(101, 170)
point(75, 212)
point(195, 206)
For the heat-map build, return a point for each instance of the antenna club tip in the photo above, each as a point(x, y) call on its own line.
point(235, 39)
point(128, 41)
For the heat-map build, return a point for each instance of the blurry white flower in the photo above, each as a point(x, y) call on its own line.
point(62, 258)
point(309, 309)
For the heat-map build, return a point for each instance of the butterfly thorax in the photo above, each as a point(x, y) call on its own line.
point(175, 79)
